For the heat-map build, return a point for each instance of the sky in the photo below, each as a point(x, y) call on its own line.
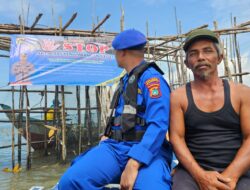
point(161, 16)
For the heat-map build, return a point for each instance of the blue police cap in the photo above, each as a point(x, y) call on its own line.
point(129, 39)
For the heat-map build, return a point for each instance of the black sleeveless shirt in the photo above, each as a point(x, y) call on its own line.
point(215, 137)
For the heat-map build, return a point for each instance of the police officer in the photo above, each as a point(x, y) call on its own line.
point(133, 149)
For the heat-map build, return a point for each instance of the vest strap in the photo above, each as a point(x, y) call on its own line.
point(116, 121)
point(132, 135)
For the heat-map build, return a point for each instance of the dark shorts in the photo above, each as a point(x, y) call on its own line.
point(182, 180)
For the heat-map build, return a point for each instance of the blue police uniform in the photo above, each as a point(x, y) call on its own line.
point(105, 163)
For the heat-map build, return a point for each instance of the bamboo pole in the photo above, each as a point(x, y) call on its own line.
point(35, 91)
point(64, 147)
point(169, 71)
point(88, 116)
point(36, 110)
point(78, 100)
point(148, 50)
point(56, 119)
point(45, 121)
point(183, 70)
point(28, 137)
point(178, 70)
point(101, 23)
point(98, 104)
point(20, 124)
point(13, 129)
point(232, 51)
point(225, 60)
point(237, 54)
point(69, 22)
point(122, 19)
point(226, 66)
point(20, 119)
point(36, 21)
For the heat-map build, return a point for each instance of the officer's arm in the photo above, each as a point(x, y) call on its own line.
point(156, 95)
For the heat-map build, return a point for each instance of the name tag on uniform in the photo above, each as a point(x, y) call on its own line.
point(129, 109)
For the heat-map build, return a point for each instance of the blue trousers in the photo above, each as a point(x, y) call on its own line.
point(105, 163)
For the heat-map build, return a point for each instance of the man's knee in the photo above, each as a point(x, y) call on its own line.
point(183, 180)
point(243, 183)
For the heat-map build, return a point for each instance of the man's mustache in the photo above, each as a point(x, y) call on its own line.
point(196, 66)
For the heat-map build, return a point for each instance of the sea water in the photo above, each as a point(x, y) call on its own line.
point(45, 171)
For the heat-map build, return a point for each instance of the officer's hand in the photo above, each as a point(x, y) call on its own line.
point(129, 174)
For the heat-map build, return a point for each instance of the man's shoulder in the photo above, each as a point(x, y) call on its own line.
point(179, 93)
point(240, 91)
point(239, 88)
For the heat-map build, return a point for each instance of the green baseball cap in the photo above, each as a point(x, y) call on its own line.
point(199, 34)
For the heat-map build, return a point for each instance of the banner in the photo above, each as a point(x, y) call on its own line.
point(60, 60)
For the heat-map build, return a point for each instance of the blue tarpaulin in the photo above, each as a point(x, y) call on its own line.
point(60, 60)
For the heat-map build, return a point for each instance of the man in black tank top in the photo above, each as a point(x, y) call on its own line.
point(210, 122)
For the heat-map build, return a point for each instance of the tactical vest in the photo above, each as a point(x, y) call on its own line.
point(129, 117)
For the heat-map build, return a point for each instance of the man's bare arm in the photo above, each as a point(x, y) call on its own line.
point(241, 162)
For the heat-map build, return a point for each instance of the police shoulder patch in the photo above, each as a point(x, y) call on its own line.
point(153, 85)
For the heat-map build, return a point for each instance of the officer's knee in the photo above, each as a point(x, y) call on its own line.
point(68, 182)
